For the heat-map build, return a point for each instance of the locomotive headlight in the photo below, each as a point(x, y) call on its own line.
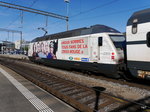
point(112, 55)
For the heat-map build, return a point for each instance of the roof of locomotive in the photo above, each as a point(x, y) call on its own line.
point(142, 16)
point(77, 32)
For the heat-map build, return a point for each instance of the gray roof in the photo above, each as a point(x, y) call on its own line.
point(142, 16)
point(77, 32)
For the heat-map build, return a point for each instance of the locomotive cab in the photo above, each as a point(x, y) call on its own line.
point(119, 44)
point(107, 48)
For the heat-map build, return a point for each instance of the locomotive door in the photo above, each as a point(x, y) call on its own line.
point(94, 49)
point(100, 43)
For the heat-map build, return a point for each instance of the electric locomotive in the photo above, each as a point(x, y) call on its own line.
point(98, 49)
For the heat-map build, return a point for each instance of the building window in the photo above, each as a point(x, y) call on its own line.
point(148, 39)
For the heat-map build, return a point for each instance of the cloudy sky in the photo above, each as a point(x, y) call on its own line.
point(82, 13)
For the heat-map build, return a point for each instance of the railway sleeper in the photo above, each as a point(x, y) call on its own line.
point(82, 95)
point(103, 104)
point(90, 101)
point(61, 87)
point(139, 106)
point(52, 84)
point(85, 99)
point(46, 81)
point(70, 91)
point(76, 92)
point(42, 79)
point(69, 88)
point(56, 85)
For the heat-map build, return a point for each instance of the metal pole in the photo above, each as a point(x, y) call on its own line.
point(21, 21)
point(67, 21)
point(46, 24)
point(21, 40)
point(98, 91)
point(12, 36)
point(67, 17)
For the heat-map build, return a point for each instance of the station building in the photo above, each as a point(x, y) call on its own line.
point(6, 47)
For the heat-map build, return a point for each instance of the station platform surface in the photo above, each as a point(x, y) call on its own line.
point(20, 95)
point(15, 56)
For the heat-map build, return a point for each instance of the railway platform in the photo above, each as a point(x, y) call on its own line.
point(19, 95)
point(15, 56)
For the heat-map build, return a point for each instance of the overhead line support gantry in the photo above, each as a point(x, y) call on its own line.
point(32, 10)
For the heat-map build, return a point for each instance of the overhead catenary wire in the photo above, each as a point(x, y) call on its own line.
point(87, 11)
point(34, 2)
point(32, 10)
point(5, 8)
point(114, 13)
point(92, 9)
point(83, 12)
point(102, 15)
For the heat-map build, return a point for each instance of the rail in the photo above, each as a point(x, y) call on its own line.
point(80, 97)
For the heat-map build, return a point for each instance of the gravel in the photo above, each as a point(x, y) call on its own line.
point(116, 89)
point(109, 107)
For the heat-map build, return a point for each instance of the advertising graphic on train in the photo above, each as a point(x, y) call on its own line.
point(77, 46)
point(45, 49)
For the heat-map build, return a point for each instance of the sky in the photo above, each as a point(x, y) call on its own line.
point(82, 13)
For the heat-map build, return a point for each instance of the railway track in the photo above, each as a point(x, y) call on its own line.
point(81, 97)
point(132, 82)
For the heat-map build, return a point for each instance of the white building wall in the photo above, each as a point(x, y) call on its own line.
point(17, 44)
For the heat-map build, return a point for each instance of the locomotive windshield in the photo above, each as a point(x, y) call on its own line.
point(118, 40)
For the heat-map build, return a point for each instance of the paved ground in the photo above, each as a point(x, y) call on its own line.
point(11, 100)
point(19, 95)
point(15, 56)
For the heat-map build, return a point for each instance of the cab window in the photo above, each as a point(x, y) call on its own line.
point(118, 40)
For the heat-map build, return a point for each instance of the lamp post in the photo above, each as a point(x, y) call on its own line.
point(67, 8)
